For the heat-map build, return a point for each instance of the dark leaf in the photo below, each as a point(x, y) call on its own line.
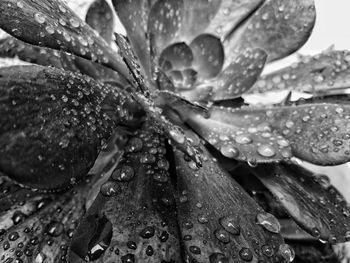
point(321, 74)
point(52, 24)
point(37, 227)
point(136, 205)
point(316, 132)
point(12, 47)
point(310, 199)
point(218, 219)
point(54, 122)
point(134, 16)
point(100, 18)
point(279, 27)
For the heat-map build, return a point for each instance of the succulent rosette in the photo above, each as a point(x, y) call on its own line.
point(140, 148)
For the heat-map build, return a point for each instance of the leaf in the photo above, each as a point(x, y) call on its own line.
point(218, 219)
point(208, 56)
point(12, 47)
point(235, 79)
point(310, 200)
point(36, 23)
point(37, 227)
point(54, 122)
point(240, 139)
point(100, 17)
point(321, 74)
point(316, 132)
point(134, 16)
point(138, 205)
point(279, 27)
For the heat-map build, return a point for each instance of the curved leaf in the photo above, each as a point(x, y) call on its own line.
point(310, 199)
point(279, 27)
point(316, 132)
point(54, 122)
point(100, 17)
point(324, 73)
point(133, 218)
point(218, 220)
point(52, 24)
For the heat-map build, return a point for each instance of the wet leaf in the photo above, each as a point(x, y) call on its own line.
point(54, 122)
point(177, 56)
point(237, 78)
point(134, 16)
point(139, 193)
point(218, 220)
point(279, 27)
point(316, 132)
point(240, 139)
point(310, 199)
point(208, 56)
point(37, 227)
point(12, 47)
point(100, 17)
point(34, 22)
point(321, 74)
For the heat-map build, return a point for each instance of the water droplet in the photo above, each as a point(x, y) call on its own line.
point(109, 189)
point(230, 224)
point(125, 174)
point(195, 250)
point(266, 150)
point(218, 258)
point(269, 222)
point(246, 254)
point(55, 229)
point(40, 18)
point(147, 232)
point(286, 252)
point(222, 236)
point(243, 139)
point(229, 151)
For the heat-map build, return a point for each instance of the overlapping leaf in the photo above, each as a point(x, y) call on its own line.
point(318, 133)
point(218, 220)
point(54, 122)
point(321, 74)
point(280, 27)
point(133, 219)
point(310, 199)
point(35, 23)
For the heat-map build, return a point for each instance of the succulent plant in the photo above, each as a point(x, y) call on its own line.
point(141, 148)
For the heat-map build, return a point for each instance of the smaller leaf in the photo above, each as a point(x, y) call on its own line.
point(310, 199)
point(100, 17)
